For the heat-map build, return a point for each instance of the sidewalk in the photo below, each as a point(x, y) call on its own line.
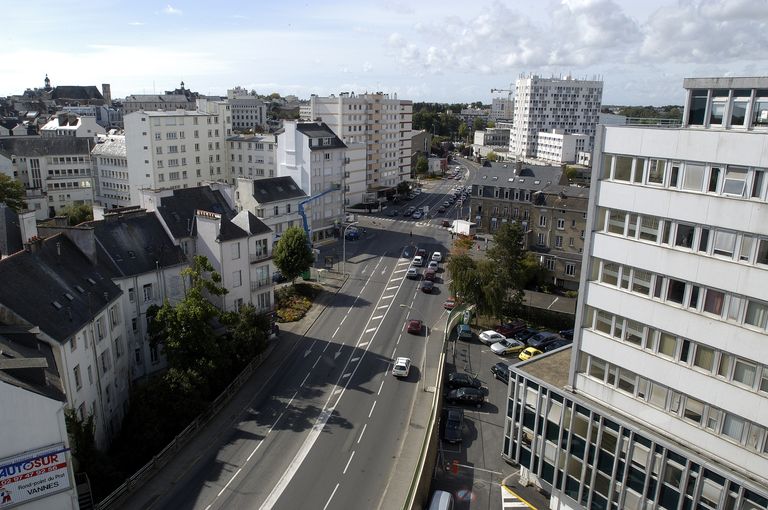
point(162, 482)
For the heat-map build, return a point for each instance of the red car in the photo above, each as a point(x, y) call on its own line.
point(429, 274)
point(450, 303)
point(510, 328)
point(414, 326)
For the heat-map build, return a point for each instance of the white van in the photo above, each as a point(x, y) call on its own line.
point(441, 500)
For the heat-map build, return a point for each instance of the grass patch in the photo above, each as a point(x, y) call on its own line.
point(294, 301)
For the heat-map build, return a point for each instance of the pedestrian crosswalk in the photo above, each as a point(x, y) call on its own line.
point(511, 500)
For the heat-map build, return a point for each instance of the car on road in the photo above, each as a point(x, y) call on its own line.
point(457, 380)
point(501, 371)
point(507, 346)
point(412, 273)
point(450, 303)
point(408, 252)
point(464, 331)
point(409, 211)
point(432, 265)
point(453, 424)
point(560, 342)
point(541, 340)
point(352, 235)
point(418, 261)
point(427, 287)
point(416, 215)
point(402, 367)
point(490, 337)
point(524, 334)
point(446, 223)
point(437, 256)
point(446, 204)
point(430, 275)
point(509, 329)
point(440, 210)
point(391, 211)
point(528, 353)
point(469, 396)
point(414, 326)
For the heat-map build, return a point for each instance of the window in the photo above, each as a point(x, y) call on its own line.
point(714, 177)
point(704, 358)
point(758, 176)
point(641, 282)
point(118, 347)
point(697, 107)
point(693, 179)
point(667, 345)
point(623, 169)
point(675, 291)
point(235, 251)
point(724, 243)
point(276, 210)
point(237, 279)
point(684, 235)
point(733, 426)
point(649, 228)
point(597, 368)
point(713, 302)
point(762, 252)
point(658, 396)
point(744, 372)
point(735, 181)
point(616, 221)
point(656, 172)
point(542, 221)
point(147, 292)
point(560, 223)
point(76, 373)
point(570, 269)
point(694, 410)
point(105, 362)
point(756, 315)
point(131, 295)
point(558, 241)
point(610, 273)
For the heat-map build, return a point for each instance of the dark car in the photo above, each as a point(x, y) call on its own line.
point(352, 235)
point(469, 396)
point(566, 333)
point(524, 334)
point(391, 211)
point(440, 209)
point(408, 252)
point(429, 275)
point(414, 326)
point(501, 371)
point(560, 342)
point(421, 252)
point(453, 423)
point(510, 328)
point(461, 380)
point(446, 223)
point(427, 287)
point(541, 340)
point(278, 277)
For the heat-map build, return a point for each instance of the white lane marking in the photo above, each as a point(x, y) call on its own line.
point(400, 279)
point(377, 317)
point(346, 375)
point(353, 360)
point(364, 268)
point(382, 306)
point(363, 344)
point(334, 333)
point(370, 329)
point(229, 482)
point(342, 320)
point(391, 288)
point(294, 396)
point(403, 262)
point(336, 354)
point(384, 270)
point(361, 433)
point(329, 499)
point(393, 353)
point(316, 361)
point(380, 387)
point(372, 408)
point(306, 353)
point(387, 297)
point(348, 462)
point(305, 378)
point(400, 271)
point(337, 391)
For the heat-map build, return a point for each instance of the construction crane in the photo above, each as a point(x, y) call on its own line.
point(305, 224)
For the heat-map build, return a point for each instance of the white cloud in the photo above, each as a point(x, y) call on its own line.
point(169, 9)
point(136, 23)
point(367, 67)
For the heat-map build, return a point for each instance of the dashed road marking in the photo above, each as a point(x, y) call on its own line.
point(372, 408)
point(348, 462)
point(388, 297)
point(370, 329)
point(391, 288)
point(377, 317)
point(382, 306)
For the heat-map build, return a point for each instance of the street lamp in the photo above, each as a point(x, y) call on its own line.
point(344, 247)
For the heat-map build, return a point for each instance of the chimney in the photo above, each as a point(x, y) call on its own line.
point(518, 166)
point(63, 119)
point(98, 212)
point(34, 244)
point(27, 225)
point(106, 91)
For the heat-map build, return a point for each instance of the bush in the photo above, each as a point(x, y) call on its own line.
point(294, 301)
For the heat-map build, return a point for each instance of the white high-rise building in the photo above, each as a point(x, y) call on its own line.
point(110, 164)
point(381, 122)
point(663, 402)
point(544, 104)
point(249, 113)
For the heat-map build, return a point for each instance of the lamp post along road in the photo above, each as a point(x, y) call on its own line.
point(344, 247)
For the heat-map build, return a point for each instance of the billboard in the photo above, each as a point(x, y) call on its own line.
point(33, 474)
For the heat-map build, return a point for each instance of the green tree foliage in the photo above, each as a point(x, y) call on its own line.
point(422, 165)
point(653, 112)
point(479, 124)
point(88, 459)
point(491, 124)
point(463, 270)
point(247, 336)
point(78, 213)
point(492, 156)
point(507, 253)
point(12, 193)
point(463, 131)
point(534, 275)
point(436, 118)
point(292, 254)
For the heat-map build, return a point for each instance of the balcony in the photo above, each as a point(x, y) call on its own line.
point(260, 284)
point(259, 257)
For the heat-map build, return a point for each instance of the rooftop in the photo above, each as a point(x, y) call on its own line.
point(529, 177)
point(178, 210)
point(320, 130)
point(551, 367)
point(28, 363)
point(276, 189)
point(110, 146)
point(29, 146)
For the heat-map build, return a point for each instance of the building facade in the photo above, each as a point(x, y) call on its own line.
point(274, 201)
point(380, 121)
point(543, 104)
point(502, 109)
point(249, 113)
point(71, 124)
point(251, 156)
point(664, 403)
point(110, 168)
point(558, 147)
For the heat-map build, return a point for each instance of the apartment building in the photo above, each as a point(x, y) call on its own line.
point(252, 156)
point(315, 158)
point(502, 109)
point(662, 401)
point(249, 113)
point(553, 214)
point(379, 121)
point(275, 201)
point(110, 168)
point(557, 146)
point(544, 104)
point(176, 149)
point(71, 124)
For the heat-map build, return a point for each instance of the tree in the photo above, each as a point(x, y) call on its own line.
point(422, 165)
point(463, 131)
point(292, 254)
point(479, 124)
point(507, 253)
point(464, 282)
point(491, 156)
point(12, 193)
point(78, 213)
point(491, 124)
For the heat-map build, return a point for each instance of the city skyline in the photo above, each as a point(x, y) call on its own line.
point(425, 52)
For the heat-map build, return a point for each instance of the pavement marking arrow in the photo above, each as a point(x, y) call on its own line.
point(306, 353)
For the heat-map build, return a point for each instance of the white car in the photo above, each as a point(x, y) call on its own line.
point(490, 337)
point(412, 273)
point(416, 215)
point(402, 367)
point(437, 256)
point(508, 346)
point(418, 261)
point(432, 265)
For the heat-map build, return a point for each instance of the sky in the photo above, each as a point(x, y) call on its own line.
point(423, 50)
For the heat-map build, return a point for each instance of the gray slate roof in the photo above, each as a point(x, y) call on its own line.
point(136, 243)
point(40, 147)
point(178, 210)
point(275, 189)
point(530, 177)
point(242, 225)
point(320, 130)
point(76, 92)
point(58, 273)
point(18, 344)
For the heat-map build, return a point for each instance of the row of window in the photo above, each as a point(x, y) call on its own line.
point(711, 178)
point(728, 108)
point(66, 160)
point(113, 161)
point(69, 184)
point(743, 372)
point(701, 239)
point(725, 306)
point(70, 171)
point(710, 418)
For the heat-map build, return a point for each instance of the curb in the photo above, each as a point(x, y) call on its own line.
point(505, 486)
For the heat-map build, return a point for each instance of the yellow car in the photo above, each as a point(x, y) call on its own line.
point(528, 353)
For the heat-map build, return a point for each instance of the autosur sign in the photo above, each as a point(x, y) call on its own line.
point(32, 475)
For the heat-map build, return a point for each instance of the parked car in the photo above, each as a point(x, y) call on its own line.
point(460, 380)
point(412, 273)
point(560, 342)
point(528, 353)
point(566, 333)
point(450, 303)
point(418, 261)
point(446, 223)
point(540, 340)
point(469, 396)
point(446, 204)
point(416, 215)
point(440, 210)
point(278, 277)
point(430, 275)
point(464, 331)
point(501, 371)
point(409, 211)
point(524, 334)
point(509, 329)
point(507, 346)
point(490, 337)
point(422, 252)
point(432, 265)
point(427, 287)
point(408, 252)
point(437, 256)
point(453, 423)
point(402, 367)
point(414, 326)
